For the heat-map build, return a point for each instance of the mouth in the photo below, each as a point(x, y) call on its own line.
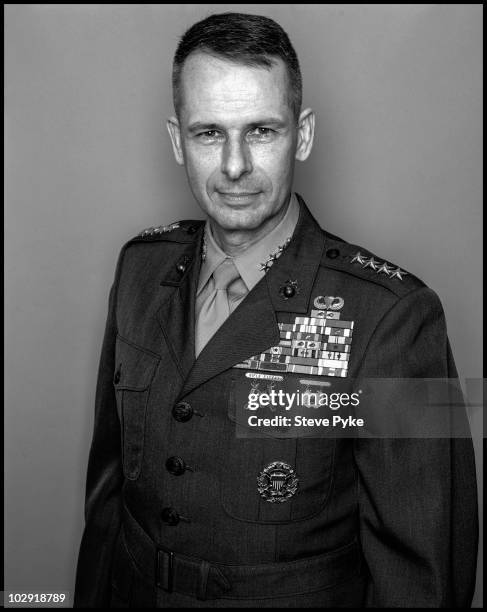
point(238, 197)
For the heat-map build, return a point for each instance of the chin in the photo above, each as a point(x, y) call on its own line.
point(238, 220)
point(234, 220)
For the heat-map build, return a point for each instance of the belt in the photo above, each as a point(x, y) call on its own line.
point(188, 575)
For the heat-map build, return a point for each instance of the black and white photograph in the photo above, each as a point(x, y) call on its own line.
point(243, 305)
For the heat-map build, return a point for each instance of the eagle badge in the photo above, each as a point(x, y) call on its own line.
point(277, 482)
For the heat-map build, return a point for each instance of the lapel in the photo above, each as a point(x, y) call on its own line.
point(176, 315)
point(252, 326)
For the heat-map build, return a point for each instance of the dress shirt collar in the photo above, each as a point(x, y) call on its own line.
point(250, 263)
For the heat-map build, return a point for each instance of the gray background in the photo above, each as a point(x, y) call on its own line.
point(396, 167)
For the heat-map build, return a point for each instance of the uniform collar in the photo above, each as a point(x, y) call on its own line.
point(253, 326)
point(298, 264)
point(251, 264)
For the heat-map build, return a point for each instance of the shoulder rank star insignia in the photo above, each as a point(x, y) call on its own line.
point(160, 229)
point(377, 266)
point(386, 269)
point(371, 263)
point(398, 272)
point(361, 259)
point(277, 482)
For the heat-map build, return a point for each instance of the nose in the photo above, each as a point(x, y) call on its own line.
point(236, 159)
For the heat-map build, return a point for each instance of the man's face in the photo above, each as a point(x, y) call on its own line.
point(238, 139)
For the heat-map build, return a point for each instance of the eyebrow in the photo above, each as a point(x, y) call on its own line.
point(200, 126)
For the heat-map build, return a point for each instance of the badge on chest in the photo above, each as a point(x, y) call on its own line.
point(277, 482)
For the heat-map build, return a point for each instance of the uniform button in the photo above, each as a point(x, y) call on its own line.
point(118, 375)
point(170, 516)
point(182, 412)
point(176, 466)
point(332, 253)
point(289, 291)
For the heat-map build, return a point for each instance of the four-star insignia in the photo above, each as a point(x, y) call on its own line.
point(265, 266)
point(377, 266)
point(160, 229)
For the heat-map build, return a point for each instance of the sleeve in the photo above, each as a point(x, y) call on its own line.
point(417, 497)
point(104, 481)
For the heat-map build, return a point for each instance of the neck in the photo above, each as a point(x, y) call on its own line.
point(233, 242)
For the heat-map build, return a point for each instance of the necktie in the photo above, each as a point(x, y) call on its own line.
point(216, 301)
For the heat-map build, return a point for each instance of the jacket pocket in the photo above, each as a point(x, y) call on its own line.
point(135, 368)
point(254, 466)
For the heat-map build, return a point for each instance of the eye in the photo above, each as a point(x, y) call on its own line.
point(261, 134)
point(261, 131)
point(209, 135)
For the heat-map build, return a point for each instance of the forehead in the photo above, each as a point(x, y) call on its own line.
point(217, 89)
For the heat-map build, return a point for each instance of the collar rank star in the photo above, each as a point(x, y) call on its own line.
point(277, 482)
point(265, 267)
point(319, 344)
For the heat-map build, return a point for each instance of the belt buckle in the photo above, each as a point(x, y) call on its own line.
point(165, 570)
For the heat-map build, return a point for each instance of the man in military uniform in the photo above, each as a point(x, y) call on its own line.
point(180, 511)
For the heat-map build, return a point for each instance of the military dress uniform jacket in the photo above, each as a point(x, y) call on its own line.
point(173, 514)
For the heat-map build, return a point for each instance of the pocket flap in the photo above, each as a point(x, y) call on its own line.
point(134, 367)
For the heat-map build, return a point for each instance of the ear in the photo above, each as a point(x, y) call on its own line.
point(175, 133)
point(306, 132)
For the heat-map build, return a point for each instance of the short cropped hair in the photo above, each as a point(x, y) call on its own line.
point(251, 40)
